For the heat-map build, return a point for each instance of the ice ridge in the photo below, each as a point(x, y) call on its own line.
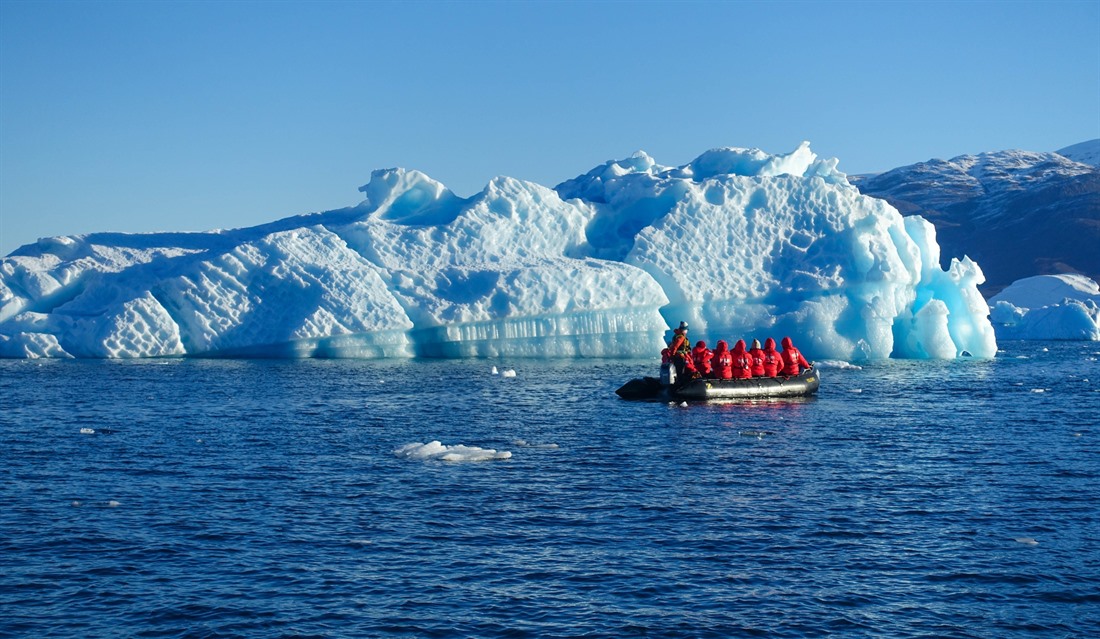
point(738, 242)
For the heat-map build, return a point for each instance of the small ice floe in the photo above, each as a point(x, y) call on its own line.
point(524, 444)
point(1038, 390)
point(87, 431)
point(494, 371)
point(77, 503)
point(1027, 541)
point(113, 504)
point(857, 390)
point(511, 372)
point(456, 453)
point(1077, 434)
point(837, 364)
point(683, 404)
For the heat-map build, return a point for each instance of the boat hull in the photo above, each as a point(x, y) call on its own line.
point(756, 388)
point(801, 385)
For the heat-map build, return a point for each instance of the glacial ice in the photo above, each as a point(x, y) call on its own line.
point(456, 453)
point(738, 242)
point(1062, 307)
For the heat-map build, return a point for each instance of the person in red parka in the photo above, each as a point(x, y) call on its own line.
point(793, 362)
point(742, 361)
point(757, 355)
point(773, 360)
point(702, 356)
point(722, 361)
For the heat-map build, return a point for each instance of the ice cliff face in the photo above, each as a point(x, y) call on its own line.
point(738, 242)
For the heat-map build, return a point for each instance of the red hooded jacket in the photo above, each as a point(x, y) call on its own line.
point(742, 361)
point(792, 359)
point(722, 361)
point(702, 357)
point(757, 355)
point(773, 360)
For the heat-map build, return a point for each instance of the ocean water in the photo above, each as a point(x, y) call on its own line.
point(206, 498)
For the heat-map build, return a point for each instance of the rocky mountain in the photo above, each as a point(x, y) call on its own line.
point(1017, 213)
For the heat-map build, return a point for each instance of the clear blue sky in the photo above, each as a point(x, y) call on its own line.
point(150, 116)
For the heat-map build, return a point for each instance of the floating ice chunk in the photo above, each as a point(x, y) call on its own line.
point(837, 364)
point(1065, 307)
point(1038, 390)
point(683, 404)
point(113, 504)
point(87, 431)
point(1027, 541)
point(436, 450)
point(508, 373)
point(857, 390)
point(77, 502)
point(524, 444)
point(494, 371)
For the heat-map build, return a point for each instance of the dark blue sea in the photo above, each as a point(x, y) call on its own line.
point(214, 498)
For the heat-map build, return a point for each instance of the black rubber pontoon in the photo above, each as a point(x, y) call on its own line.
point(800, 385)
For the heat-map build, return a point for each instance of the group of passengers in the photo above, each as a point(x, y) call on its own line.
point(739, 363)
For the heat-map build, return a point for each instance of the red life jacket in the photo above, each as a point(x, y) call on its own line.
point(793, 361)
point(742, 361)
point(757, 355)
point(702, 358)
point(722, 362)
point(773, 361)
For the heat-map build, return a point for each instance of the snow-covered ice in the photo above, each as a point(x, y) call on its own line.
point(436, 450)
point(738, 242)
point(1064, 307)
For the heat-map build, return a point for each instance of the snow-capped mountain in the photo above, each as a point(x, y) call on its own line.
point(1085, 152)
point(1017, 213)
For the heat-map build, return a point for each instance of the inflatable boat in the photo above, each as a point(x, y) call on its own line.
point(668, 387)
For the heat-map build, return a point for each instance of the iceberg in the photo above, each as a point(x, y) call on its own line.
point(1055, 307)
point(738, 242)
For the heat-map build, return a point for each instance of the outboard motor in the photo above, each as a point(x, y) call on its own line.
point(668, 374)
